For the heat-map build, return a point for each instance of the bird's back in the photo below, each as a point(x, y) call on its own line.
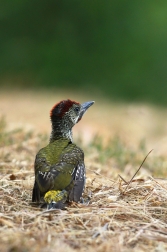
point(56, 166)
point(52, 153)
point(61, 150)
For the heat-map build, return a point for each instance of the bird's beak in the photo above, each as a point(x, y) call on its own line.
point(84, 107)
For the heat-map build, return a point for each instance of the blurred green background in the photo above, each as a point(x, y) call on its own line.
point(113, 48)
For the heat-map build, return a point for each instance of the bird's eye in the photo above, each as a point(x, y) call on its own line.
point(76, 109)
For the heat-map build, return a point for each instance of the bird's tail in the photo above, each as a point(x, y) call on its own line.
point(36, 193)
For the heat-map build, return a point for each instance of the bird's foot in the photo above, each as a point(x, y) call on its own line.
point(56, 199)
point(56, 205)
point(84, 201)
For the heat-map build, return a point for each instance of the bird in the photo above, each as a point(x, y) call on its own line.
point(59, 168)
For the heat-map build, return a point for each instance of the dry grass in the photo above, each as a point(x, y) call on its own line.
point(114, 217)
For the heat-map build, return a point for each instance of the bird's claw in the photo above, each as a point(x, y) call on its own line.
point(56, 205)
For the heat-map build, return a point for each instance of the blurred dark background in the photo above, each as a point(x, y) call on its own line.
point(113, 48)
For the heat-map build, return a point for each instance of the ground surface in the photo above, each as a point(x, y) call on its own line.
point(115, 139)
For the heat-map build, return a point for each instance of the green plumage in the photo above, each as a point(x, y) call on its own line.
point(55, 167)
point(59, 167)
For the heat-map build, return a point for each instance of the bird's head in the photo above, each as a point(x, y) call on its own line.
point(69, 112)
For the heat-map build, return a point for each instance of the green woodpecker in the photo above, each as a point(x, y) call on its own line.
point(59, 167)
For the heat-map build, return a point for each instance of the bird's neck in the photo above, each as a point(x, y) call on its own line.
point(59, 132)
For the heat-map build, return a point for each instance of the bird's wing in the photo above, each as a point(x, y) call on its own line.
point(79, 183)
point(52, 177)
point(57, 177)
point(68, 173)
